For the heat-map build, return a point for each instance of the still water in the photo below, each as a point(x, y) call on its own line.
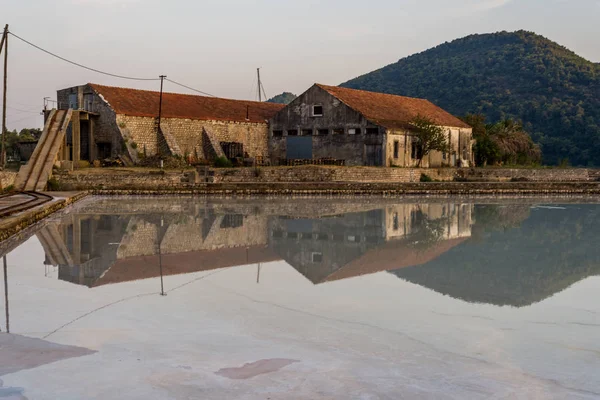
point(359, 298)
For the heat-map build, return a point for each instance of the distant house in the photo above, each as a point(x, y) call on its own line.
point(356, 127)
point(110, 121)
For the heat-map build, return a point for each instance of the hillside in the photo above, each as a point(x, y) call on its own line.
point(522, 75)
point(283, 98)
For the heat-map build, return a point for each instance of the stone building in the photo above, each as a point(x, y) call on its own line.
point(111, 122)
point(356, 127)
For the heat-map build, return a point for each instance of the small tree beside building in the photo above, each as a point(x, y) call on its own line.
point(428, 137)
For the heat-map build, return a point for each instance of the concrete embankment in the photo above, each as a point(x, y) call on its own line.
point(329, 181)
point(14, 224)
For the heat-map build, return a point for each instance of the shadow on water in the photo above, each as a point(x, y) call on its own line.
point(502, 254)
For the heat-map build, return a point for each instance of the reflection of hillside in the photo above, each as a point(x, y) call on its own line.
point(516, 263)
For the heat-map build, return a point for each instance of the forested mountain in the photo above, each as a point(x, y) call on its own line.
point(283, 98)
point(520, 75)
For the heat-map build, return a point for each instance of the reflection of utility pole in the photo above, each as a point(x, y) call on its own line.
point(162, 288)
point(6, 294)
point(258, 274)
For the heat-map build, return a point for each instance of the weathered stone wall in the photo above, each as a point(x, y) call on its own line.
point(7, 178)
point(188, 135)
point(376, 174)
point(105, 128)
point(330, 174)
point(298, 115)
point(461, 144)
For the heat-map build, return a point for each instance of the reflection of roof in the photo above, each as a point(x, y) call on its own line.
point(392, 111)
point(144, 103)
point(143, 267)
point(392, 256)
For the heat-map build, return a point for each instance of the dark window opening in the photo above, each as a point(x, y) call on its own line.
point(292, 132)
point(88, 102)
point(317, 111)
point(277, 234)
point(396, 148)
point(232, 221)
point(277, 133)
point(233, 149)
point(415, 152)
point(396, 222)
point(322, 236)
point(323, 132)
point(338, 131)
point(292, 235)
point(104, 150)
point(372, 131)
point(307, 132)
point(317, 257)
point(354, 131)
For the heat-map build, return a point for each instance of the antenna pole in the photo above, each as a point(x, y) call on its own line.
point(5, 43)
point(162, 78)
point(259, 85)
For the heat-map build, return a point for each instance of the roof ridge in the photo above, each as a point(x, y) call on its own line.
point(372, 92)
point(175, 93)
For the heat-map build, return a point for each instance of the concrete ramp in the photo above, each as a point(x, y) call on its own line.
point(34, 176)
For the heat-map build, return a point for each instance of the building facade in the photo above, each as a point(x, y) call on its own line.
point(110, 122)
point(355, 127)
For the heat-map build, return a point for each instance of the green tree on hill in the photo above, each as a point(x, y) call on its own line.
point(518, 75)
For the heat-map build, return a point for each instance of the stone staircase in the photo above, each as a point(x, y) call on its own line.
point(169, 139)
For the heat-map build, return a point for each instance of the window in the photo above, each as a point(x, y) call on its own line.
point(292, 132)
point(88, 101)
point(338, 131)
point(232, 221)
point(323, 132)
point(317, 111)
point(73, 101)
point(396, 148)
point(317, 257)
point(353, 131)
point(277, 133)
point(372, 131)
point(307, 132)
point(415, 152)
point(396, 222)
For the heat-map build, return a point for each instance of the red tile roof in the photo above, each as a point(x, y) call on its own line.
point(144, 267)
point(144, 103)
point(391, 111)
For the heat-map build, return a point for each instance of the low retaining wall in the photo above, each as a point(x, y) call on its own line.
point(145, 180)
point(400, 175)
point(7, 179)
point(328, 174)
point(190, 180)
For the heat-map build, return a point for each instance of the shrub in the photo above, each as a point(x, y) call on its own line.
point(83, 164)
point(134, 145)
point(53, 184)
point(223, 162)
point(426, 178)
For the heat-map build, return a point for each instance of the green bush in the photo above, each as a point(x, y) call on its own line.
point(53, 184)
point(223, 162)
point(426, 178)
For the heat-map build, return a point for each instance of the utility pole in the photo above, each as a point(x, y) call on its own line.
point(162, 78)
point(5, 44)
point(259, 85)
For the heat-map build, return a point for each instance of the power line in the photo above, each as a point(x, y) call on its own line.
point(80, 65)
point(190, 88)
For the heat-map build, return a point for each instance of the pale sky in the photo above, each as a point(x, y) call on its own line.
point(216, 45)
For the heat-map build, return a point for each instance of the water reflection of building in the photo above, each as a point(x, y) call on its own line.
point(356, 244)
point(117, 242)
point(501, 255)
